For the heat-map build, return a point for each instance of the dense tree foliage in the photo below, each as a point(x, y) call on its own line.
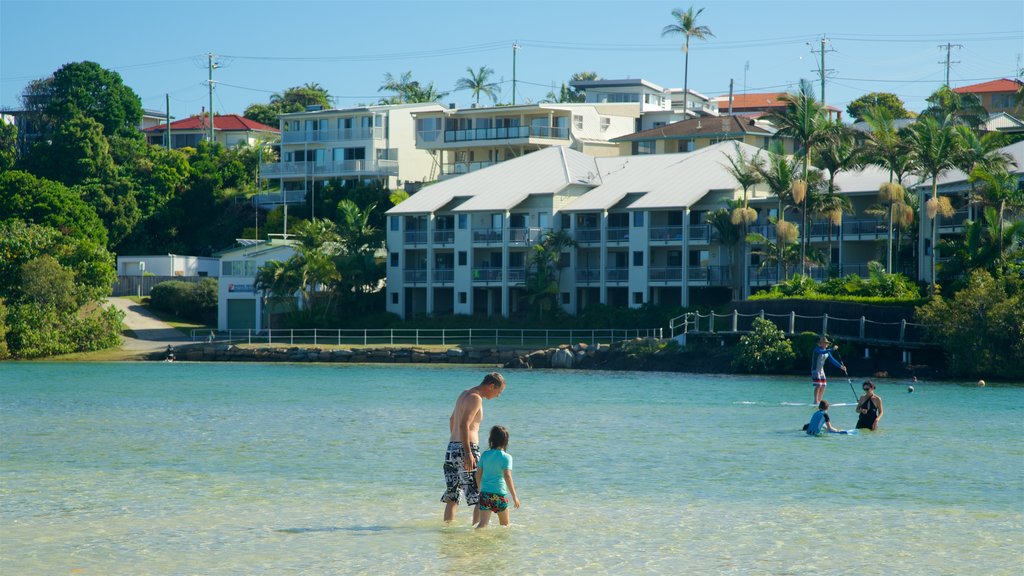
point(8, 145)
point(85, 89)
point(405, 90)
point(294, 99)
point(891, 103)
point(26, 198)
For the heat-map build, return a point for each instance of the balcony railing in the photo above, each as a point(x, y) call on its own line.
point(444, 236)
point(487, 235)
point(666, 233)
point(670, 274)
point(444, 276)
point(340, 168)
point(517, 275)
point(415, 237)
point(336, 135)
point(463, 167)
point(525, 235)
point(415, 275)
point(618, 234)
point(618, 274)
point(487, 274)
point(587, 235)
point(588, 275)
point(871, 228)
point(700, 233)
point(709, 275)
point(481, 134)
point(955, 220)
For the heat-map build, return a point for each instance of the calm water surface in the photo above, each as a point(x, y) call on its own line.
point(155, 468)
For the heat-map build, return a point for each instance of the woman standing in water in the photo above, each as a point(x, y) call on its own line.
point(869, 406)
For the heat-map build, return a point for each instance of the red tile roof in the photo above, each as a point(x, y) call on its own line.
point(761, 101)
point(694, 127)
point(1001, 85)
point(226, 123)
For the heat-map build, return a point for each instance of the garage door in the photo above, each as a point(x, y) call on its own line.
point(241, 313)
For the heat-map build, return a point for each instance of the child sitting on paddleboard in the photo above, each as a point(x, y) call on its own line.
point(820, 421)
point(494, 478)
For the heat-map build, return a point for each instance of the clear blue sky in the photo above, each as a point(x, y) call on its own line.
point(160, 47)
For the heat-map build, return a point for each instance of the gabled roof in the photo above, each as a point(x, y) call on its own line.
point(1016, 152)
point(684, 179)
point(224, 123)
point(506, 184)
point(693, 127)
point(1000, 85)
point(761, 101)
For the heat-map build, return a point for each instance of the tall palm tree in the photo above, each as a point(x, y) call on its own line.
point(479, 83)
point(950, 107)
point(745, 171)
point(981, 152)
point(935, 147)
point(838, 153)
point(982, 246)
point(1000, 189)
point(888, 148)
point(542, 283)
point(803, 120)
point(778, 173)
point(686, 24)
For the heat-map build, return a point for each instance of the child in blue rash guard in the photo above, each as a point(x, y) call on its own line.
point(494, 478)
point(818, 356)
point(820, 420)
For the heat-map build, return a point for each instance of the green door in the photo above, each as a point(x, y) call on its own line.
point(241, 314)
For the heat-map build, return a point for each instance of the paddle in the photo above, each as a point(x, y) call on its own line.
point(848, 380)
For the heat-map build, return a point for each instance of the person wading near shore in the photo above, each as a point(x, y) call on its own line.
point(464, 445)
point(869, 406)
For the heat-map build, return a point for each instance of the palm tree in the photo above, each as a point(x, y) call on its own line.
point(886, 147)
point(950, 107)
point(686, 24)
point(408, 91)
point(804, 120)
point(479, 83)
point(745, 171)
point(779, 174)
point(981, 152)
point(542, 283)
point(838, 153)
point(935, 148)
point(1001, 189)
point(982, 246)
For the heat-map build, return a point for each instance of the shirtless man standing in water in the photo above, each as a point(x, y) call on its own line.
point(464, 445)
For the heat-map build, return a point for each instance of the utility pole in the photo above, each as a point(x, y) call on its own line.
point(515, 48)
point(949, 47)
point(167, 119)
point(730, 96)
point(822, 71)
point(211, 65)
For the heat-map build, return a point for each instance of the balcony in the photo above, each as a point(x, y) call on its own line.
point(487, 275)
point(328, 169)
point(617, 275)
point(666, 233)
point(588, 275)
point(525, 235)
point(587, 236)
point(870, 229)
point(414, 275)
point(342, 135)
point(431, 138)
point(517, 275)
point(709, 275)
point(444, 236)
point(487, 236)
point(444, 276)
point(456, 168)
point(954, 222)
point(618, 235)
point(670, 274)
point(415, 237)
point(700, 233)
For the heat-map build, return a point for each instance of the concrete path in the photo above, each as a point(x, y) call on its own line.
point(145, 331)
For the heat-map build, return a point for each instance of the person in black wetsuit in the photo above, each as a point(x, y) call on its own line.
point(869, 406)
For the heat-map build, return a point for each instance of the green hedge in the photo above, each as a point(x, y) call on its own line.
point(187, 300)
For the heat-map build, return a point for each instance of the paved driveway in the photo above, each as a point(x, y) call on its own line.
point(145, 331)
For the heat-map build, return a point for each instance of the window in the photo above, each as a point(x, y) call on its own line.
point(564, 260)
point(700, 258)
point(395, 222)
point(462, 297)
point(1002, 101)
point(394, 259)
point(645, 147)
point(394, 297)
point(462, 258)
point(606, 122)
point(238, 268)
point(565, 298)
point(638, 219)
point(463, 221)
point(638, 258)
point(566, 221)
point(355, 153)
point(577, 121)
point(674, 258)
point(638, 297)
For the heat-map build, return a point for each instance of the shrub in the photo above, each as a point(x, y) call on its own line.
point(187, 300)
point(3, 330)
point(764, 350)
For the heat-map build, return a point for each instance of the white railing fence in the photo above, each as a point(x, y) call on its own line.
point(863, 329)
point(423, 337)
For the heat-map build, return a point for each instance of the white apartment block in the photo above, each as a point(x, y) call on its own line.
point(462, 246)
point(658, 106)
point(467, 139)
point(363, 143)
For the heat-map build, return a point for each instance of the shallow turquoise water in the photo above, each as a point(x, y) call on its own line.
point(155, 468)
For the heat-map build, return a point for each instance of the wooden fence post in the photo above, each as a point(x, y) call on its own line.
point(792, 322)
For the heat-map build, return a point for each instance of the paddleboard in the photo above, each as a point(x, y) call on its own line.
point(851, 431)
point(830, 404)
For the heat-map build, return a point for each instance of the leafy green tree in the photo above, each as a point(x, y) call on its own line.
point(981, 328)
point(4, 352)
point(685, 24)
point(85, 89)
point(45, 283)
point(764, 350)
point(294, 99)
point(479, 82)
point(891, 103)
point(27, 198)
point(8, 146)
point(77, 151)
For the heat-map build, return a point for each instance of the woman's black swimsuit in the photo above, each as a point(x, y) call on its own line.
point(868, 420)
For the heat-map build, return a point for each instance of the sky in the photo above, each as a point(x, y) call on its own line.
point(160, 47)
